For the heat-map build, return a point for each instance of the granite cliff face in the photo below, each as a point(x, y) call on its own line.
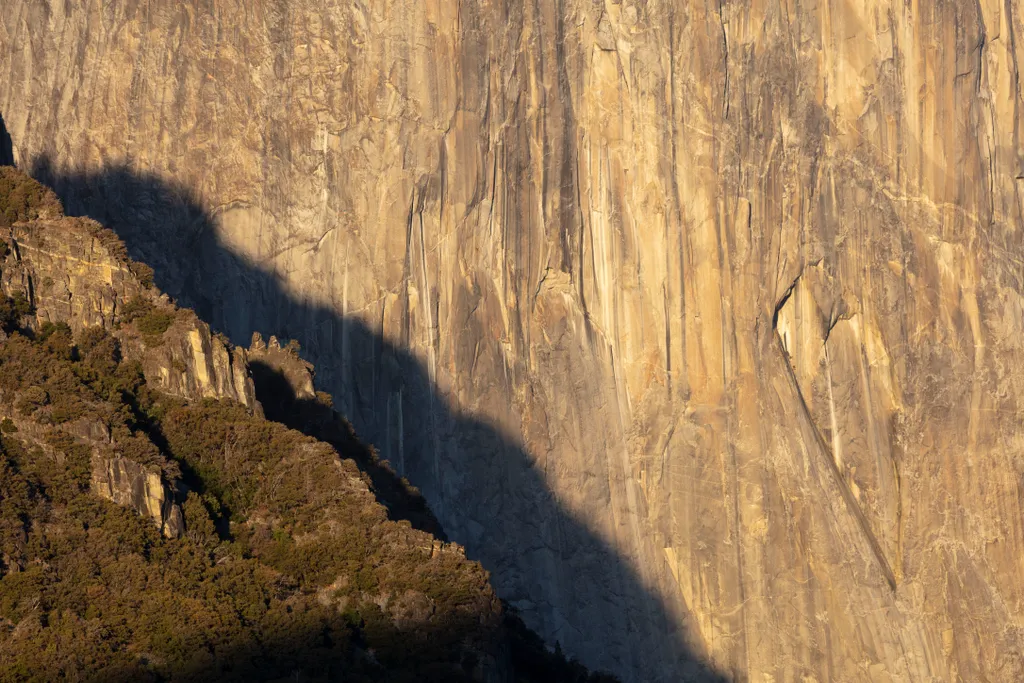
point(699, 323)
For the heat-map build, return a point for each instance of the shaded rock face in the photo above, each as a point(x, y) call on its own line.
point(699, 323)
point(297, 373)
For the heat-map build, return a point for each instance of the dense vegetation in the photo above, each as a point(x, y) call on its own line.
point(288, 564)
point(96, 588)
point(23, 199)
point(288, 567)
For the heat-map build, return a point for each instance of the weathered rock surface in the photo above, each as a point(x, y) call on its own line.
point(68, 273)
point(699, 323)
point(134, 486)
point(193, 363)
point(74, 271)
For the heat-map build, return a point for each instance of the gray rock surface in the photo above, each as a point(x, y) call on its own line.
point(698, 323)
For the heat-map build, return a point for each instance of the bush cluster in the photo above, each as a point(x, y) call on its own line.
point(13, 309)
point(24, 199)
point(150, 320)
point(288, 566)
point(98, 589)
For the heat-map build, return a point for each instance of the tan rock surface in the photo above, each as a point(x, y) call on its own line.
point(193, 363)
point(68, 273)
point(128, 483)
point(537, 250)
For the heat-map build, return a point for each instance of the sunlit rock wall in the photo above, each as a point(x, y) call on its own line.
point(699, 323)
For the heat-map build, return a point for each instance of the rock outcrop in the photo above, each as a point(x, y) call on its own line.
point(191, 362)
point(68, 272)
point(74, 271)
point(134, 486)
point(297, 373)
point(144, 488)
point(699, 323)
point(77, 272)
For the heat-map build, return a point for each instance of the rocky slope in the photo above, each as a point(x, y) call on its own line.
point(698, 323)
point(154, 526)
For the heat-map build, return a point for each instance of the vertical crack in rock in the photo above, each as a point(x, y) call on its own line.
point(828, 452)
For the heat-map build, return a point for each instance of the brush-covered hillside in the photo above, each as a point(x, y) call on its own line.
point(155, 526)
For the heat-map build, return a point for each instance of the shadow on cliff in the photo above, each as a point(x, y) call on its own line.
point(495, 502)
point(6, 146)
point(328, 652)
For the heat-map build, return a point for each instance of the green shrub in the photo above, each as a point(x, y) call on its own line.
point(136, 307)
point(155, 322)
point(99, 352)
point(24, 199)
point(153, 325)
point(12, 309)
point(57, 339)
point(110, 241)
point(142, 271)
point(49, 329)
point(31, 400)
point(198, 525)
